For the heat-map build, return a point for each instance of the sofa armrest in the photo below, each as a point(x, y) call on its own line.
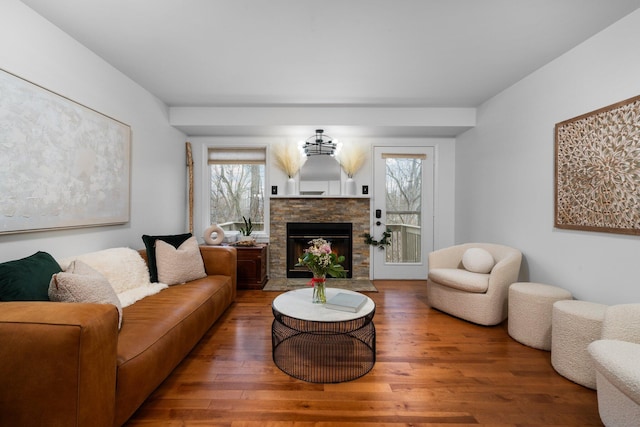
point(450, 257)
point(57, 363)
point(617, 361)
point(220, 260)
point(506, 270)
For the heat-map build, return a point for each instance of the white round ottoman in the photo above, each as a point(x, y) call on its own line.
point(530, 310)
point(575, 324)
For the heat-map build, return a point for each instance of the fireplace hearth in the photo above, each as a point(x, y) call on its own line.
point(339, 234)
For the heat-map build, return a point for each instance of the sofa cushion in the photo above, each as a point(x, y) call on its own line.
point(458, 278)
point(477, 260)
point(126, 271)
point(27, 279)
point(179, 265)
point(81, 283)
point(150, 244)
point(159, 331)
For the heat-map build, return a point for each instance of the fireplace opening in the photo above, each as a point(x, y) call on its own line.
point(300, 233)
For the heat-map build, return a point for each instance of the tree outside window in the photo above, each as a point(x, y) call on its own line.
point(237, 182)
point(404, 201)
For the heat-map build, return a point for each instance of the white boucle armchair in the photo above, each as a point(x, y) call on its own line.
point(616, 360)
point(476, 297)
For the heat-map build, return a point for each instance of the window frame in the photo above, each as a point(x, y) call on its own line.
point(239, 148)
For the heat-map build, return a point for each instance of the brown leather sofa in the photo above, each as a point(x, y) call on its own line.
point(70, 366)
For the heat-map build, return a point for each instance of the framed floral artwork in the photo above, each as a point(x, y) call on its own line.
point(597, 170)
point(62, 165)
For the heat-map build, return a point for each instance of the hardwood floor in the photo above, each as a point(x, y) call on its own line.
point(431, 369)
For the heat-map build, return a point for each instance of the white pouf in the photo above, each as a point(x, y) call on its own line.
point(530, 311)
point(575, 325)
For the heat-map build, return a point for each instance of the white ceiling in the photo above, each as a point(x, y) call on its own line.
point(382, 53)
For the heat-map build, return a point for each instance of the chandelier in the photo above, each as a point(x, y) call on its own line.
point(320, 144)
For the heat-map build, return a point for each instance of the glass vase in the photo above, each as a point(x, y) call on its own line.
point(319, 289)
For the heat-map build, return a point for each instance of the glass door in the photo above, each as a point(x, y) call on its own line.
point(403, 207)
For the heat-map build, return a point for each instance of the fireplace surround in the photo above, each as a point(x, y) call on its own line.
point(354, 210)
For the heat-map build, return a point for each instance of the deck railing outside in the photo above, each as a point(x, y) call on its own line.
point(405, 243)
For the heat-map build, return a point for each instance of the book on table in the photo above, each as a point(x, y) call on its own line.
point(346, 302)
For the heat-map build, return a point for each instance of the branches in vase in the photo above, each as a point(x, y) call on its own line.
point(288, 158)
point(351, 158)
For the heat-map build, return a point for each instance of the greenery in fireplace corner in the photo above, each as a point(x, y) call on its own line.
point(382, 243)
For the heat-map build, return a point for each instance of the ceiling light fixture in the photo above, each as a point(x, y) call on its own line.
point(320, 144)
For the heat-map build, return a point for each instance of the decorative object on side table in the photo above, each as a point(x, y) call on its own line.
point(320, 259)
point(219, 235)
point(245, 238)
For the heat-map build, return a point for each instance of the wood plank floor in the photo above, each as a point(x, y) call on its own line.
point(431, 369)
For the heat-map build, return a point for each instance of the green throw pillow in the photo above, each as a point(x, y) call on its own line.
point(27, 279)
point(174, 240)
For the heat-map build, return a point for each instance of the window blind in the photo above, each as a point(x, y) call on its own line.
point(232, 155)
point(403, 156)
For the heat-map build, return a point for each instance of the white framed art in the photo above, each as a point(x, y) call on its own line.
point(62, 165)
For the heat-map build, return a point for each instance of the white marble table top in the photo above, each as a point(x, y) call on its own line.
point(297, 304)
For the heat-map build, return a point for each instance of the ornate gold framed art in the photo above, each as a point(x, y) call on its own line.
point(597, 170)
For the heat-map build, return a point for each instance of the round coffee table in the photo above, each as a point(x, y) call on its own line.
point(317, 344)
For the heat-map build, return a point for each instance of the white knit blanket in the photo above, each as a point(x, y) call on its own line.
point(126, 271)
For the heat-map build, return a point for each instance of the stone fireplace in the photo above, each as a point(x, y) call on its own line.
point(285, 210)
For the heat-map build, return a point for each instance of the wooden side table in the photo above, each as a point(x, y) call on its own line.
point(252, 266)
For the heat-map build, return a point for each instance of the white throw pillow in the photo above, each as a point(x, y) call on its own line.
point(477, 260)
point(123, 267)
point(81, 283)
point(125, 270)
point(179, 265)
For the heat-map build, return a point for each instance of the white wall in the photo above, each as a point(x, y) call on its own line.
point(444, 179)
point(505, 169)
point(36, 50)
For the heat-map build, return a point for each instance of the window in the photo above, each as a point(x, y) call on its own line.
point(404, 206)
point(237, 187)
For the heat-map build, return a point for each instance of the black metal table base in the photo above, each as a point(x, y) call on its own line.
point(324, 352)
